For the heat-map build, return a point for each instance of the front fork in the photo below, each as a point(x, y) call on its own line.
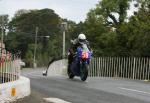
point(81, 65)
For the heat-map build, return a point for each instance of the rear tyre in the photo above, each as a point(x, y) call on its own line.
point(70, 74)
point(84, 73)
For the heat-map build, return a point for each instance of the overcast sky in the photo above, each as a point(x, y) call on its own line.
point(75, 10)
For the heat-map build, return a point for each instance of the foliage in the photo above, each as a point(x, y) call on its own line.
point(3, 24)
point(4, 21)
point(22, 33)
point(128, 39)
point(107, 27)
point(138, 30)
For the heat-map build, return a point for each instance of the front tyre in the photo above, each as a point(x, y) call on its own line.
point(84, 72)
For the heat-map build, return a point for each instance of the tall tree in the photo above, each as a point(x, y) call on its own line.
point(114, 13)
point(22, 31)
point(101, 38)
point(4, 23)
point(137, 31)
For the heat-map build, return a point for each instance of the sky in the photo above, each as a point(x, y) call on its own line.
point(75, 10)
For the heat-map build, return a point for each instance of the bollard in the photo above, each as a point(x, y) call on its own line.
point(13, 92)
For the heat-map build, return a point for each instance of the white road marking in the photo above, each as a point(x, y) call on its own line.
point(55, 100)
point(86, 81)
point(33, 75)
point(134, 90)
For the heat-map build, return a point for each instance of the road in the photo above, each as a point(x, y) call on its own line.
point(94, 90)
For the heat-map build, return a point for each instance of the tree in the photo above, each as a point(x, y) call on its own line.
point(3, 23)
point(22, 31)
point(114, 14)
point(111, 9)
point(137, 31)
point(29, 55)
point(20, 12)
point(102, 39)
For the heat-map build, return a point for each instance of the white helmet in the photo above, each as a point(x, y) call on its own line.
point(81, 38)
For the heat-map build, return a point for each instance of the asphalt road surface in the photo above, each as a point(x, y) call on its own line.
point(94, 90)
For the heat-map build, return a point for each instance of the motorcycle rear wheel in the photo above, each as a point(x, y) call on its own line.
point(70, 74)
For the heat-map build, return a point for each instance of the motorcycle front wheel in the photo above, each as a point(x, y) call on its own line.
point(84, 72)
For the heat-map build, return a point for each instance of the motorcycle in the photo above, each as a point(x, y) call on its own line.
point(80, 65)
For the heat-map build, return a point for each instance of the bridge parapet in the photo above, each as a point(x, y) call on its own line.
point(123, 67)
point(12, 85)
point(58, 68)
point(9, 66)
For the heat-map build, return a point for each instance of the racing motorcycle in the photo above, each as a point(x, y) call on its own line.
point(80, 65)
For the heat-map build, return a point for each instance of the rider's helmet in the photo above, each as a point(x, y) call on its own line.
point(81, 38)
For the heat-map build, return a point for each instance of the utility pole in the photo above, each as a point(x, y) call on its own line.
point(64, 44)
point(2, 37)
point(35, 46)
point(64, 28)
point(3, 20)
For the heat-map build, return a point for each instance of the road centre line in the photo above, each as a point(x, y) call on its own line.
point(134, 90)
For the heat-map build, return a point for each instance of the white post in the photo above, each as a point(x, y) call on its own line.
point(130, 67)
point(146, 76)
point(124, 68)
point(107, 61)
point(121, 67)
point(138, 68)
point(134, 68)
point(135, 72)
point(148, 69)
point(102, 66)
point(114, 62)
point(95, 67)
point(105, 66)
point(109, 66)
point(99, 67)
point(91, 67)
point(144, 69)
point(141, 68)
point(116, 68)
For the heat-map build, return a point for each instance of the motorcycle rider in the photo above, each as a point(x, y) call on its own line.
point(75, 44)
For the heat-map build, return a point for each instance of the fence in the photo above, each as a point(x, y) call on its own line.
point(9, 66)
point(125, 67)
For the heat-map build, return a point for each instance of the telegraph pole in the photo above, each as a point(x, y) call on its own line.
point(3, 22)
point(64, 28)
point(2, 37)
point(64, 44)
point(35, 46)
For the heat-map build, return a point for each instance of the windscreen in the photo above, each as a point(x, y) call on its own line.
point(85, 48)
